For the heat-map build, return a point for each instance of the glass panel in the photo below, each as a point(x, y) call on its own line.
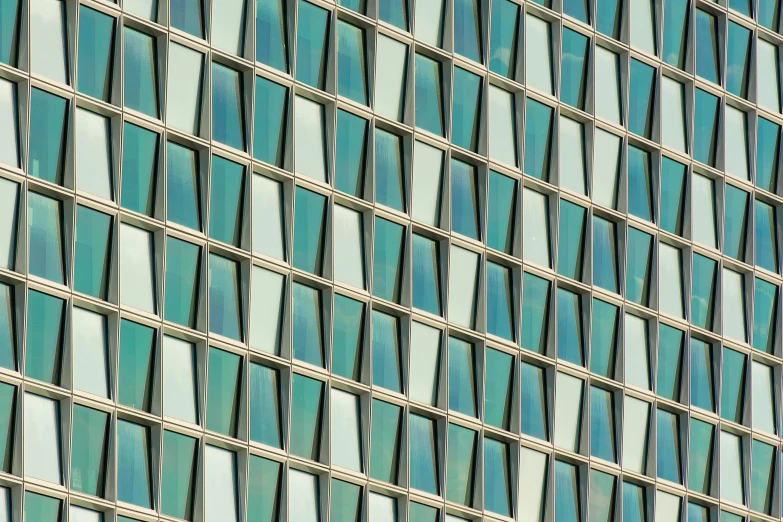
point(606, 168)
point(704, 224)
point(768, 14)
point(136, 365)
point(345, 502)
point(703, 291)
point(348, 246)
point(734, 312)
point(737, 143)
point(183, 267)
point(462, 377)
point(382, 508)
point(732, 485)
point(571, 240)
point(90, 360)
point(9, 205)
point(42, 450)
point(707, 48)
point(738, 57)
point(304, 505)
point(735, 221)
point(272, 33)
point(642, 98)
point(764, 396)
point(270, 122)
point(636, 418)
point(134, 465)
point(463, 286)
point(767, 145)
point(8, 326)
point(498, 391)
point(535, 313)
point(389, 245)
point(307, 398)
point(568, 496)
point(429, 94)
point(640, 176)
point(501, 212)
point(45, 320)
point(89, 449)
point(670, 280)
point(497, 477)
point(707, 114)
point(569, 327)
point(394, 12)
point(767, 72)
point(389, 170)
point(80, 514)
point(538, 138)
point(10, 29)
point(225, 302)
point(670, 362)
point(638, 266)
point(92, 252)
point(139, 168)
point(568, 412)
point(637, 352)
point(41, 508)
point(180, 381)
point(9, 152)
point(429, 22)
point(264, 479)
point(186, 72)
point(351, 62)
point(573, 73)
point(604, 338)
point(385, 441)
point(605, 262)
point(533, 485)
point(669, 447)
point(672, 200)
point(464, 199)
point(351, 153)
point(144, 8)
point(7, 426)
point(461, 465)
point(224, 379)
point(309, 217)
point(180, 462)
point(538, 65)
point(573, 172)
point(183, 199)
point(765, 315)
point(228, 28)
point(762, 477)
point(668, 508)
point(634, 503)
point(500, 308)
point(93, 154)
point(468, 37)
point(220, 484)
point(503, 38)
point(534, 415)
point(269, 217)
point(673, 114)
point(766, 236)
point(421, 513)
point(732, 405)
point(187, 15)
point(96, 53)
point(312, 42)
point(346, 430)
point(702, 383)
point(265, 395)
point(425, 374)
point(307, 325)
point(424, 454)
point(310, 139)
point(700, 460)
point(347, 337)
point(675, 33)
point(502, 126)
point(137, 267)
point(426, 274)
point(643, 27)
point(390, 80)
point(602, 427)
point(228, 113)
point(602, 496)
point(386, 351)
point(49, 39)
point(535, 234)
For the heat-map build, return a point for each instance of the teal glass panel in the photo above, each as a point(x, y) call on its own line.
point(535, 312)
point(42, 508)
point(386, 432)
point(89, 449)
point(670, 360)
point(669, 447)
point(738, 58)
point(141, 72)
point(675, 32)
point(394, 12)
point(673, 181)
point(270, 123)
point(743, 7)
point(426, 274)
point(699, 513)
point(707, 50)
point(464, 199)
point(183, 267)
point(500, 309)
point(96, 53)
point(423, 454)
point(351, 62)
point(134, 465)
point(466, 109)
point(139, 168)
point(735, 222)
point(10, 29)
point(706, 112)
point(641, 98)
point(178, 477)
point(634, 503)
point(703, 291)
point(312, 44)
point(765, 236)
point(579, 9)
point(225, 303)
point(638, 266)
point(573, 72)
point(765, 306)
point(534, 401)
point(345, 502)
point(136, 366)
point(389, 170)
point(7, 423)
point(767, 154)
point(183, 201)
point(468, 25)
point(497, 477)
point(307, 397)
point(732, 397)
point(92, 254)
point(571, 240)
point(272, 34)
point(640, 199)
point(46, 250)
point(604, 338)
point(609, 17)
point(389, 245)
point(462, 377)
point(461, 465)
point(567, 492)
point(309, 218)
point(421, 513)
point(188, 16)
point(224, 379)
point(266, 424)
point(605, 260)
point(228, 112)
point(498, 387)
point(264, 480)
point(351, 153)
point(503, 37)
point(602, 440)
point(702, 436)
point(429, 94)
point(307, 319)
point(762, 477)
point(7, 326)
point(602, 486)
point(501, 212)
point(356, 5)
point(226, 201)
point(45, 320)
point(48, 124)
point(386, 357)
point(701, 381)
point(538, 139)
point(768, 14)
point(347, 337)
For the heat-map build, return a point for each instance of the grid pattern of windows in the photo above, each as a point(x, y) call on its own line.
point(391, 260)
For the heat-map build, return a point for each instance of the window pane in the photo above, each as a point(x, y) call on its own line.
point(7, 426)
point(501, 212)
point(92, 252)
point(272, 34)
point(421, 513)
point(536, 228)
point(310, 141)
point(568, 412)
point(424, 454)
point(643, 26)
point(733, 386)
point(89, 448)
point(351, 153)
point(136, 365)
point(673, 114)
point(346, 430)
point(270, 123)
point(461, 465)
point(604, 338)
point(700, 461)
point(225, 302)
point(498, 391)
point(228, 113)
point(571, 240)
point(137, 274)
point(42, 443)
point(503, 43)
point(497, 477)
point(45, 242)
point(463, 286)
point(220, 485)
point(8, 334)
point(734, 312)
point(638, 266)
point(308, 325)
point(144, 8)
point(429, 22)
point(348, 246)
point(569, 327)
point(49, 39)
point(386, 351)
point(636, 418)
point(737, 143)
point(670, 362)
point(767, 72)
point(80, 514)
point(642, 98)
point(707, 48)
point(312, 44)
point(228, 26)
point(568, 498)
point(180, 381)
point(389, 170)
point(183, 267)
point(535, 313)
point(429, 94)
point(675, 30)
point(468, 37)
point(93, 154)
point(607, 88)
point(186, 72)
point(40, 507)
point(351, 62)
point(703, 291)
point(9, 151)
point(90, 358)
point(426, 274)
point(347, 337)
point(502, 126)
point(265, 480)
point(538, 72)
point(269, 217)
point(139, 168)
point(573, 71)
point(187, 16)
point(224, 377)
point(266, 422)
point(738, 57)
point(96, 50)
point(634, 503)
point(702, 381)
point(640, 176)
point(533, 485)
point(534, 401)
point(602, 426)
point(464, 199)
point(500, 307)
point(606, 168)
point(605, 262)
point(732, 483)
point(394, 12)
point(669, 447)
point(602, 497)
point(385, 441)
point(767, 145)
point(45, 320)
point(763, 395)
point(389, 245)
point(9, 23)
point(765, 315)
point(226, 200)
point(735, 222)
point(390, 80)
point(462, 377)
point(538, 139)
point(573, 173)
point(345, 501)
point(672, 195)
point(670, 280)
point(706, 116)
point(134, 465)
point(637, 352)
point(762, 477)
point(304, 505)
point(183, 201)
point(180, 460)
point(9, 223)
point(425, 374)
point(306, 417)
point(309, 217)
point(766, 236)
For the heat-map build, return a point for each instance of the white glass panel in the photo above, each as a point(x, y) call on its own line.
point(425, 343)
point(606, 164)
point(636, 417)
point(42, 438)
point(5, 504)
point(390, 77)
point(572, 155)
point(382, 508)
point(607, 85)
point(9, 124)
point(80, 514)
point(704, 210)
point(427, 173)
point(429, 21)
point(143, 8)
point(763, 398)
point(266, 310)
point(303, 496)
point(220, 485)
point(731, 486)
point(536, 228)
point(670, 280)
point(734, 322)
point(179, 379)
point(268, 223)
point(532, 485)
point(736, 143)
point(93, 154)
point(767, 75)
point(9, 203)
point(309, 144)
point(348, 251)
point(346, 430)
point(637, 350)
point(672, 109)
point(137, 270)
point(502, 131)
point(90, 368)
point(538, 55)
point(228, 25)
point(667, 507)
point(568, 411)
point(642, 26)
point(184, 88)
point(48, 39)
point(463, 283)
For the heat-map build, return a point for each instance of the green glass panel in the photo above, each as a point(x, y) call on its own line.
point(704, 288)
point(498, 387)
point(670, 360)
point(429, 94)
point(501, 212)
point(180, 457)
point(48, 124)
point(668, 453)
point(351, 62)
point(389, 247)
point(308, 325)
point(500, 309)
point(707, 50)
point(534, 403)
point(765, 307)
point(306, 417)
point(602, 441)
point(46, 250)
point(270, 123)
point(134, 465)
point(224, 379)
point(347, 337)
point(571, 240)
point(225, 305)
point(535, 311)
point(7, 326)
point(573, 73)
point(638, 266)
point(187, 15)
point(462, 377)
point(272, 33)
point(386, 363)
point(89, 450)
point(141, 72)
point(264, 481)
point(460, 465)
point(423, 438)
point(464, 199)
point(385, 441)
point(137, 349)
point(228, 111)
point(732, 397)
point(421, 513)
point(351, 153)
point(309, 218)
point(466, 109)
point(40, 508)
point(538, 139)
point(139, 169)
point(183, 262)
point(641, 98)
point(640, 198)
point(312, 44)
point(738, 57)
point(762, 477)
point(497, 477)
point(604, 338)
point(345, 502)
point(96, 53)
point(45, 319)
point(7, 424)
point(735, 222)
point(389, 170)
point(92, 255)
point(266, 424)
point(183, 201)
point(702, 436)
point(569, 327)
point(504, 25)
point(394, 12)
point(226, 201)
point(426, 274)
point(605, 259)
point(701, 381)
point(675, 32)
point(706, 114)
point(673, 181)
point(10, 29)
point(766, 236)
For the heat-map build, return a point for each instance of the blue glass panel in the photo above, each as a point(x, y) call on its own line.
point(702, 436)
point(394, 12)
point(226, 200)
point(501, 212)
point(187, 15)
point(272, 34)
point(351, 153)
point(500, 309)
point(141, 72)
point(604, 338)
point(347, 337)
point(386, 357)
point(426, 274)
point(497, 389)
point(307, 398)
point(762, 477)
point(96, 53)
point(701, 381)
point(732, 396)
point(569, 327)
point(389, 247)
point(634, 503)
point(497, 477)
point(669, 447)
point(535, 312)
point(228, 113)
point(312, 44)
point(670, 359)
point(225, 302)
point(264, 479)
point(7, 327)
point(738, 58)
point(707, 50)
point(534, 403)
point(307, 325)
point(571, 240)
point(461, 465)
point(183, 262)
point(640, 200)
point(741, 6)
point(568, 498)
point(672, 195)
point(423, 454)
point(769, 14)
point(464, 199)
point(46, 250)
point(345, 502)
point(703, 291)
point(89, 440)
point(309, 217)
point(136, 365)
point(466, 109)
point(385, 440)
point(602, 442)
point(706, 127)
point(139, 168)
point(351, 63)
point(605, 261)
point(389, 170)
point(538, 139)
point(503, 38)
point(429, 94)
point(269, 124)
point(638, 266)
point(675, 32)
point(735, 224)
point(10, 29)
point(48, 125)
point(183, 198)
point(641, 98)
point(766, 237)
point(468, 35)
point(45, 320)
point(609, 17)
point(134, 464)
point(767, 155)
point(266, 423)
point(765, 307)
point(92, 252)
point(573, 73)
point(462, 377)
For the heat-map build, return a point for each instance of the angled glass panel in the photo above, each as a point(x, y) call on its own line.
point(502, 126)
point(497, 477)
point(382, 508)
point(426, 274)
point(180, 380)
point(144, 8)
point(385, 437)
point(573, 70)
point(224, 380)
point(389, 170)
point(425, 374)
point(604, 338)
point(351, 62)
point(769, 14)
point(312, 43)
point(675, 33)
point(640, 176)
point(738, 57)
point(307, 324)
point(228, 27)
point(134, 464)
point(708, 57)
point(270, 121)
point(89, 450)
point(309, 217)
point(670, 362)
point(501, 212)
point(605, 260)
point(463, 380)
point(389, 245)
point(641, 98)
point(10, 18)
point(468, 34)
point(185, 76)
point(702, 437)
point(573, 169)
point(571, 240)
point(737, 143)
point(464, 199)
point(602, 495)
point(602, 427)
point(90, 357)
point(732, 405)
point(735, 222)
point(347, 337)
point(705, 228)
point(637, 352)
point(265, 396)
point(668, 461)
point(429, 22)
point(92, 252)
point(636, 423)
point(568, 412)
point(702, 382)
point(269, 217)
point(762, 476)
point(767, 154)
point(538, 138)
point(500, 307)
point(304, 505)
point(533, 485)
point(463, 286)
point(272, 33)
point(734, 310)
point(570, 334)
point(49, 39)
point(535, 234)
point(183, 198)
point(634, 503)
point(390, 80)
point(348, 246)
point(704, 290)
point(225, 300)
point(228, 111)
point(568, 496)
point(503, 44)
point(42, 442)
point(767, 75)
point(461, 465)
point(307, 399)
point(44, 341)
point(673, 114)
point(732, 483)
point(386, 351)
point(606, 168)
point(9, 151)
point(534, 403)
point(497, 389)
point(765, 237)
point(80, 514)
point(706, 115)
point(764, 396)
point(424, 467)
point(356, 5)
point(765, 306)
point(639, 266)
point(96, 53)
point(8, 327)
point(177, 485)
point(421, 513)
point(136, 365)
point(538, 54)
point(643, 26)
point(310, 141)
point(226, 200)
point(350, 153)
point(673, 180)
point(139, 168)
point(670, 298)
point(346, 430)
point(429, 94)
point(394, 12)
point(10, 204)
point(535, 313)
point(188, 16)
point(265, 478)
point(220, 484)
point(94, 154)
point(42, 508)
point(183, 267)
point(345, 502)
